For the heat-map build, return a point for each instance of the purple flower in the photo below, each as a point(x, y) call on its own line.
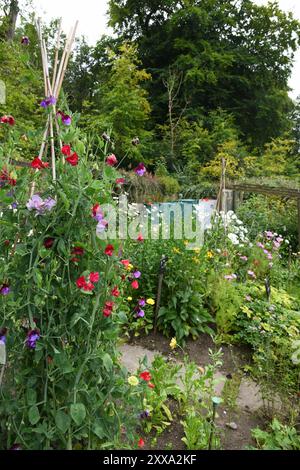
point(25, 40)
point(142, 303)
point(140, 313)
point(137, 274)
point(252, 274)
point(66, 119)
point(32, 337)
point(269, 234)
point(49, 101)
point(101, 226)
point(260, 245)
point(244, 258)
point(230, 277)
point(14, 205)
point(145, 414)
point(5, 290)
point(3, 332)
point(140, 169)
point(41, 206)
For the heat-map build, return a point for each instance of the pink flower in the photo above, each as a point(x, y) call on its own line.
point(115, 292)
point(135, 285)
point(252, 274)
point(120, 181)
point(111, 160)
point(8, 120)
point(140, 238)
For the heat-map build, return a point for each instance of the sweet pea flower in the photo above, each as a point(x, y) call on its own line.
point(48, 243)
point(244, 258)
point(38, 164)
point(150, 302)
point(66, 150)
point(137, 274)
point(5, 289)
point(252, 274)
point(142, 302)
point(40, 205)
point(109, 250)
point(7, 120)
point(230, 277)
point(73, 159)
point(140, 238)
point(3, 332)
point(111, 160)
point(101, 226)
point(94, 277)
point(49, 101)
point(115, 292)
point(125, 262)
point(32, 337)
point(25, 41)
point(120, 181)
point(145, 414)
point(140, 169)
point(260, 245)
point(77, 251)
point(65, 118)
point(135, 285)
point(140, 313)
point(141, 443)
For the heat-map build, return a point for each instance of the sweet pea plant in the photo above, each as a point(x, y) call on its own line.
point(60, 293)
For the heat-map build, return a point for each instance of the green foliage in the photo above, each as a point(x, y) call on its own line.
point(279, 437)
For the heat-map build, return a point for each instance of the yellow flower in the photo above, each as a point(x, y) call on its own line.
point(151, 302)
point(196, 260)
point(186, 242)
point(133, 381)
point(129, 267)
point(173, 344)
point(129, 299)
point(209, 254)
point(197, 251)
point(176, 250)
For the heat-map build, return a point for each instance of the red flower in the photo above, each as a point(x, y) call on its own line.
point(111, 160)
point(81, 282)
point(38, 164)
point(108, 308)
point(73, 159)
point(7, 243)
point(135, 285)
point(151, 385)
point(107, 313)
point(109, 250)
point(115, 292)
point(75, 260)
point(12, 182)
point(120, 181)
point(141, 443)
point(78, 251)
point(88, 287)
point(95, 209)
point(48, 242)
point(66, 150)
point(140, 238)
point(145, 376)
point(8, 120)
point(94, 277)
point(125, 262)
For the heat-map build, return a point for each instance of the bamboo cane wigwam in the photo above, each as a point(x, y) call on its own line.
point(52, 88)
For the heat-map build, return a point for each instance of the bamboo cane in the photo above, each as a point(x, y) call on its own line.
point(61, 65)
point(56, 53)
point(66, 60)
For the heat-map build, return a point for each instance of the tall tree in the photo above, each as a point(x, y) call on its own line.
point(11, 11)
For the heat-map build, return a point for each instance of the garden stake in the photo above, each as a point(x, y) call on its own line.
point(212, 426)
point(162, 269)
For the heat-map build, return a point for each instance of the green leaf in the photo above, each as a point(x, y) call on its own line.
point(62, 421)
point(78, 413)
point(98, 430)
point(31, 396)
point(107, 362)
point(33, 415)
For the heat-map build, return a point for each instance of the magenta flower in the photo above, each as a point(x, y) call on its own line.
point(260, 245)
point(101, 226)
point(142, 303)
point(140, 169)
point(137, 274)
